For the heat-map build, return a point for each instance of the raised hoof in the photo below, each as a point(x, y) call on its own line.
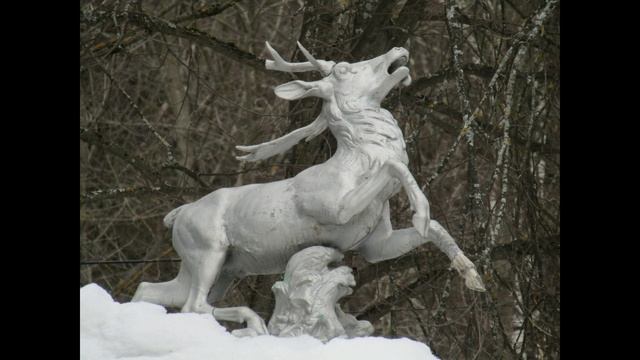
point(473, 281)
point(467, 270)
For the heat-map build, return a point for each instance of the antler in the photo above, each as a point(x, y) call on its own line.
point(283, 143)
point(278, 63)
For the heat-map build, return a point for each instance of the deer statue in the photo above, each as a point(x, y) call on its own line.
point(342, 203)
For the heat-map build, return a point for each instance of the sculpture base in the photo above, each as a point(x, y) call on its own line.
point(307, 298)
point(143, 331)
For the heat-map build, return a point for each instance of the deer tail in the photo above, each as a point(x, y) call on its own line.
point(171, 216)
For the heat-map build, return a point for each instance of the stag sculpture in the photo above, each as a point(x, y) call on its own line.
point(342, 203)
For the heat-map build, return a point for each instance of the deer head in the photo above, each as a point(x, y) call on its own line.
point(344, 88)
point(366, 83)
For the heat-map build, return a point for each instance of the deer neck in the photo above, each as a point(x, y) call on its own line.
point(370, 133)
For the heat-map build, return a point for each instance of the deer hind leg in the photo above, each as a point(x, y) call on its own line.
point(171, 293)
point(239, 314)
point(205, 265)
point(385, 243)
point(221, 286)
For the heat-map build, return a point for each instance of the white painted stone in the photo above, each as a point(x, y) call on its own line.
point(307, 298)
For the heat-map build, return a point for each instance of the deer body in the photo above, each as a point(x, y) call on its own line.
point(341, 203)
point(282, 220)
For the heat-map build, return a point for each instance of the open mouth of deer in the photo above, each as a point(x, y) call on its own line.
point(398, 65)
point(395, 65)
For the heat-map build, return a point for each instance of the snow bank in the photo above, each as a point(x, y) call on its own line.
point(143, 331)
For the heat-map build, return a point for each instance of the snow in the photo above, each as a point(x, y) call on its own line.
point(143, 331)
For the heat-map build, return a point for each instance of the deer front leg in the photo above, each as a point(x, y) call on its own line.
point(359, 198)
point(356, 200)
point(417, 199)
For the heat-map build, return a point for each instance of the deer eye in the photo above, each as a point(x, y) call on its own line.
point(341, 69)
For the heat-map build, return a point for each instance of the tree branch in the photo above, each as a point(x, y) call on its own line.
point(479, 70)
point(512, 251)
point(380, 308)
point(137, 192)
point(228, 49)
point(409, 17)
point(373, 28)
point(205, 11)
point(151, 174)
point(97, 139)
point(422, 106)
point(120, 43)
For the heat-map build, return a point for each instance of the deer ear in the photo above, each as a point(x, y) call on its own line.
point(298, 89)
